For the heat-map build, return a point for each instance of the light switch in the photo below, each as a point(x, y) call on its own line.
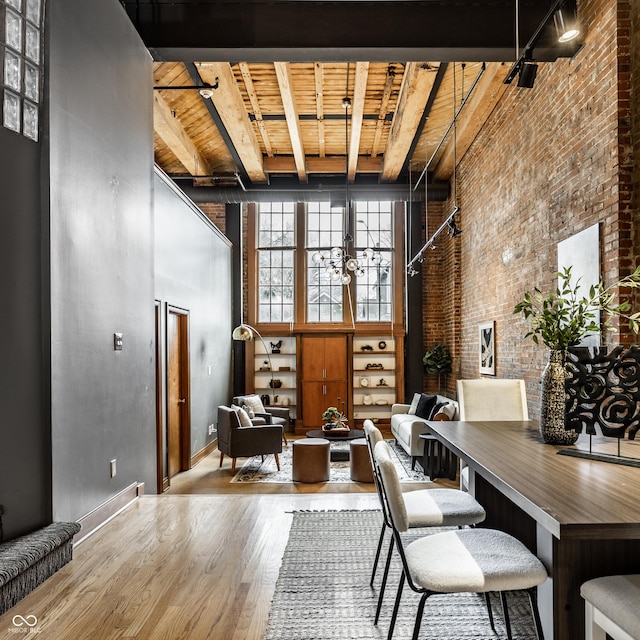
point(117, 342)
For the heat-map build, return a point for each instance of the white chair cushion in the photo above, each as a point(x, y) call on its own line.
point(255, 403)
point(473, 560)
point(243, 416)
point(442, 507)
point(617, 597)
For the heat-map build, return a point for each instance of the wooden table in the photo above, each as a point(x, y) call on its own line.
point(581, 517)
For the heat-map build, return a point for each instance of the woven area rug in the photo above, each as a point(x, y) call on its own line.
point(323, 590)
point(257, 470)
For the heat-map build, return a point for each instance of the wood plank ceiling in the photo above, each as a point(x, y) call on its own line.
point(287, 119)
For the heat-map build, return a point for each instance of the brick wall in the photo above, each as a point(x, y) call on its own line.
point(549, 162)
point(216, 213)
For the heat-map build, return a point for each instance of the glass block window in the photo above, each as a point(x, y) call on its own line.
point(21, 24)
point(276, 261)
point(374, 289)
point(324, 237)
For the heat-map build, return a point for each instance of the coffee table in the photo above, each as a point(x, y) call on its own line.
point(338, 436)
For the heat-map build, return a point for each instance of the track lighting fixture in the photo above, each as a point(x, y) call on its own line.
point(527, 74)
point(453, 229)
point(567, 25)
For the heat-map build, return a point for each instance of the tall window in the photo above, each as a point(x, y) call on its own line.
point(374, 230)
point(276, 260)
point(325, 231)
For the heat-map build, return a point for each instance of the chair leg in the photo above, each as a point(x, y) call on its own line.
point(275, 455)
point(487, 599)
point(221, 458)
point(505, 613)
point(375, 562)
point(396, 606)
point(419, 614)
point(233, 466)
point(383, 585)
point(284, 438)
point(533, 599)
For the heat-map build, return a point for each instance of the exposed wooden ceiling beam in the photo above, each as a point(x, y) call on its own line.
point(176, 138)
point(416, 86)
point(283, 73)
point(255, 105)
point(473, 115)
point(318, 69)
point(359, 92)
point(382, 114)
point(229, 104)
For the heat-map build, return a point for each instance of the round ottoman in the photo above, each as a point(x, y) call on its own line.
point(310, 460)
point(360, 462)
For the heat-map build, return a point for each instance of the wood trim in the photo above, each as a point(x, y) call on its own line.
point(204, 452)
point(97, 518)
point(159, 422)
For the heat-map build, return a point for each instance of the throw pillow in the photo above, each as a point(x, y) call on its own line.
point(425, 405)
point(249, 410)
point(436, 408)
point(414, 404)
point(447, 412)
point(243, 416)
point(254, 403)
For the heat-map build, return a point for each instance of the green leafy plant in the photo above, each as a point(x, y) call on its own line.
point(437, 359)
point(331, 415)
point(560, 319)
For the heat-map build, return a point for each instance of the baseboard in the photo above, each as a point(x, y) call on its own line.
point(108, 510)
point(203, 453)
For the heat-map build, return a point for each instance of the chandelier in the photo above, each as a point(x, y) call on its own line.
point(340, 265)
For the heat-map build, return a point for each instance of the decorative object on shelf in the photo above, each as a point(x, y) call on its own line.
point(275, 383)
point(265, 366)
point(371, 365)
point(367, 399)
point(382, 345)
point(487, 352)
point(284, 368)
point(276, 346)
point(265, 399)
point(284, 401)
point(334, 420)
point(382, 383)
point(382, 402)
point(244, 333)
point(560, 319)
point(364, 382)
point(366, 347)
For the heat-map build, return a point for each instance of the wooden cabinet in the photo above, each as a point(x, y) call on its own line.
point(324, 377)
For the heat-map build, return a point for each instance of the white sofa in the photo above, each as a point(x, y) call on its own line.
point(406, 428)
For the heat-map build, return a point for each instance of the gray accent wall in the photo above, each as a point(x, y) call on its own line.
point(193, 264)
point(101, 170)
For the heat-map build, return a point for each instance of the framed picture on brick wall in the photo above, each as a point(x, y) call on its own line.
point(487, 350)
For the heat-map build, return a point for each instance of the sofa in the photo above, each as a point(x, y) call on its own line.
point(406, 426)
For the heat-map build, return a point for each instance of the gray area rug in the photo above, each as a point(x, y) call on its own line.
point(323, 590)
point(257, 470)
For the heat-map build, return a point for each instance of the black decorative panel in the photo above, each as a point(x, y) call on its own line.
point(603, 390)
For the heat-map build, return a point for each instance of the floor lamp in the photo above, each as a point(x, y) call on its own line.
point(244, 333)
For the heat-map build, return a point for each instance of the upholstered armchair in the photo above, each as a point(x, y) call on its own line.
point(264, 415)
point(237, 441)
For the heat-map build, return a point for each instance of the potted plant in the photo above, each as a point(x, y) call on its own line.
point(563, 318)
point(437, 360)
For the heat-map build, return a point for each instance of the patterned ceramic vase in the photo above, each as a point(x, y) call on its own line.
point(552, 406)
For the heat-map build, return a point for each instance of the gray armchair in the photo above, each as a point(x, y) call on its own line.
point(237, 441)
point(271, 415)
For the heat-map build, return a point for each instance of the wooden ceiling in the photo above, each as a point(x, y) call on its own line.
point(286, 119)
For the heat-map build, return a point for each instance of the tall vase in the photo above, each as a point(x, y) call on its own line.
point(552, 405)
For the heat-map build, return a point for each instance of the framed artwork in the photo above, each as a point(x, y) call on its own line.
point(487, 335)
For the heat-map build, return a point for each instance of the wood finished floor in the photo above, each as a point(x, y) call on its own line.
point(199, 561)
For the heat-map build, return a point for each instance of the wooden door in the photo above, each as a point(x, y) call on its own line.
point(178, 429)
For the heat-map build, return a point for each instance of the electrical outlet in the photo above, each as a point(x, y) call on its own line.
point(112, 468)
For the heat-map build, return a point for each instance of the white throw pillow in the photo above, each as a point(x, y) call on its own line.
point(414, 404)
point(254, 403)
point(448, 410)
point(243, 416)
point(249, 410)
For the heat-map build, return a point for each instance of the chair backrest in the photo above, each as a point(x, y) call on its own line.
point(492, 399)
point(372, 436)
point(227, 420)
point(391, 488)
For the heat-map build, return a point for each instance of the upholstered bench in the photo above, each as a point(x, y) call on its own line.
point(27, 561)
point(611, 607)
point(310, 459)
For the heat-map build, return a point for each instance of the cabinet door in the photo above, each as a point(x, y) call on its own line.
point(313, 358)
point(335, 358)
point(317, 396)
